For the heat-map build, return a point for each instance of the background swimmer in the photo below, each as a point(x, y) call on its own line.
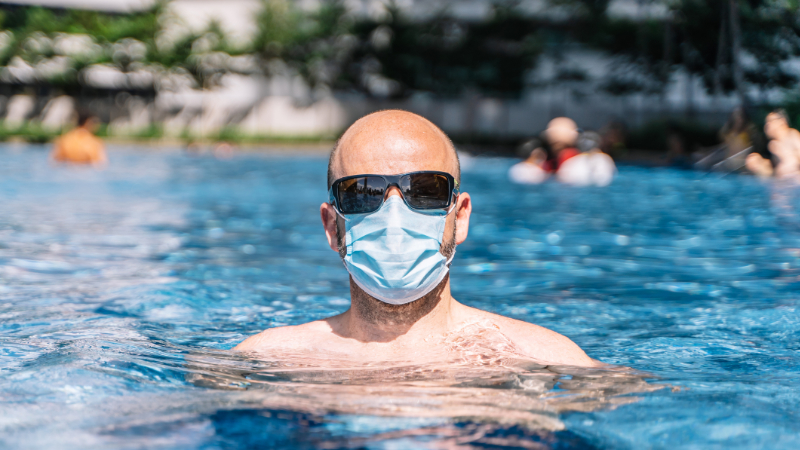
point(577, 158)
point(81, 146)
point(562, 135)
point(591, 167)
point(534, 167)
point(784, 146)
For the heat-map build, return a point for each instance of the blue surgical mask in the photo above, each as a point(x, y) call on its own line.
point(393, 253)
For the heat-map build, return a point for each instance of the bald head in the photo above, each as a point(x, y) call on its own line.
point(561, 132)
point(392, 142)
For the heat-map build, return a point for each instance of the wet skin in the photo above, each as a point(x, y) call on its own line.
point(395, 142)
point(80, 146)
point(784, 144)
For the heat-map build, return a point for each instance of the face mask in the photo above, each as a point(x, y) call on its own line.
point(393, 253)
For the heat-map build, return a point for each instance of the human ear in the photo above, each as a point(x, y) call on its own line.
point(463, 211)
point(329, 217)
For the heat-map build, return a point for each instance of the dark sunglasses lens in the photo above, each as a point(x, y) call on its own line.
point(361, 194)
point(426, 190)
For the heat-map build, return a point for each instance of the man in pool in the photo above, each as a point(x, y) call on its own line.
point(395, 216)
point(81, 146)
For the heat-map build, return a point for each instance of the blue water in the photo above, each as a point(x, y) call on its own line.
point(120, 289)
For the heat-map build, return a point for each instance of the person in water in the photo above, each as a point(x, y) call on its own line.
point(533, 167)
point(591, 166)
point(571, 165)
point(784, 146)
point(81, 146)
point(562, 135)
point(395, 216)
point(738, 139)
point(738, 134)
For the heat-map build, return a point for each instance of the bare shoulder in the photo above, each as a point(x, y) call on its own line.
point(296, 337)
point(795, 137)
point(538, 342)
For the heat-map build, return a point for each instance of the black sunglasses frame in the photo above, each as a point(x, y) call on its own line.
point(394, 180)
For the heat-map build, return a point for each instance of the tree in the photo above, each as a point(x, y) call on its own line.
point(715, 38)
point(447, 56)
point(313, 45)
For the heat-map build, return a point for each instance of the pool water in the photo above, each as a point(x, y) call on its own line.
point(122, 289)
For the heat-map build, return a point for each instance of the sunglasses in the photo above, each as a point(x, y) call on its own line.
point(421, 191)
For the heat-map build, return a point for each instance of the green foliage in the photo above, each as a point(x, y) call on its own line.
point(585, 8)
point(770, 32)
point(278, 28)
point(447, 56)
point(154, 131)
point(315, 45)
point(442, 55)
point(34, 31)
point(653, 135)
point(791, 104)
point(28, 132)
point(689, 37)
point(178, 54)
point(236, 135)
point(24, 22)
point(105, 27)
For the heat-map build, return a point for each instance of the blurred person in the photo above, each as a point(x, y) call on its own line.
point(224, 150)
point(590, 167)
point(80, 145)
point(561, 135)
point(534, 168)
point(396, 231)
point(784, 146)
point(738, 136)
point(569, 163)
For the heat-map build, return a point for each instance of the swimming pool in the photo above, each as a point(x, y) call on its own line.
point(121, 289)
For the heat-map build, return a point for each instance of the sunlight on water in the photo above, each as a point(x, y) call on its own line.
point(121, 292)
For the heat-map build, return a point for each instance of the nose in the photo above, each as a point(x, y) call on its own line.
point(393, 190)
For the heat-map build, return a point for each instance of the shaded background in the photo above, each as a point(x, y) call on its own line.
point(490, 73)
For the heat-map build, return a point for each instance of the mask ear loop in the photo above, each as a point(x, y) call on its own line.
point(453, 206)
point(337, 212)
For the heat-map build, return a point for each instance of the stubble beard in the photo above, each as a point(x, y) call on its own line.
point(377, 312)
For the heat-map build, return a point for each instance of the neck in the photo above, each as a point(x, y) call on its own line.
point(371, 320)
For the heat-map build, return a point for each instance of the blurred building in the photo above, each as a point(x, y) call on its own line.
point(283, 104)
